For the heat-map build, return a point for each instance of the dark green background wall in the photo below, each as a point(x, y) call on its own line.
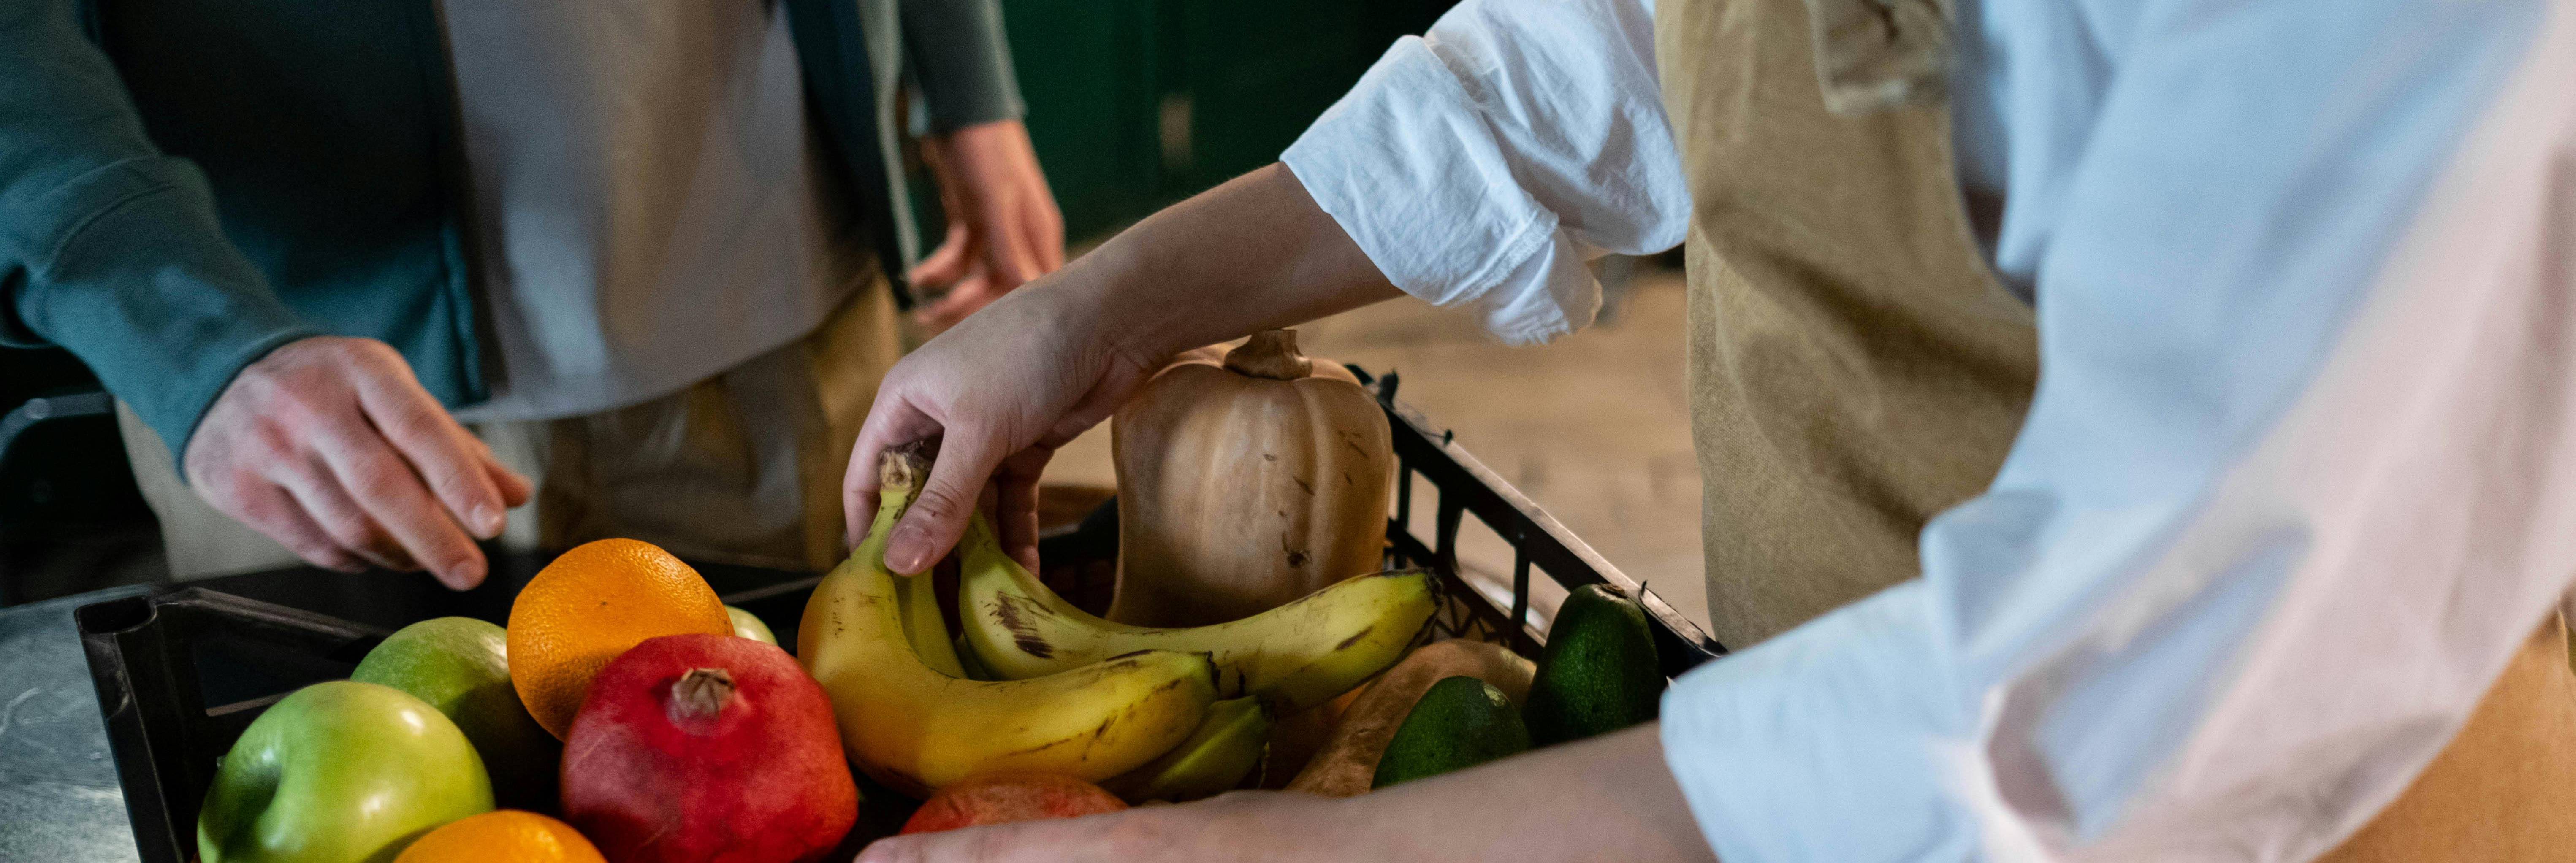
point(1137, 103)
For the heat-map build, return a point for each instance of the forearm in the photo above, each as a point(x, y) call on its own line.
point(1252, 254)
point(1609, 798)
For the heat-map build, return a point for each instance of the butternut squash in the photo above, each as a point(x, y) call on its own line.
point(1245, 483)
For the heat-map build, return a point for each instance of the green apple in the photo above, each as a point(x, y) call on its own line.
point(339, 772)
point(461, 666)
point(748, 625)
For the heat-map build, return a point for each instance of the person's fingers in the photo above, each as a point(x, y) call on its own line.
point(969, 295)
point(1009, 255)
point(435, 447)
point(1016, 509)
point(269, 510)
point(992, 843)
point(948, 263)
point(384, 485)
point(938, 515)
point(515, 489)
point(319, 496)
point(892, 421)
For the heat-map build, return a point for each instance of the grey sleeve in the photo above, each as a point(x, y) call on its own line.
point(962, 61)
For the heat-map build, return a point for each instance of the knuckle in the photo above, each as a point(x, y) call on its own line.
point(410, 423)
point(299, 408)
point(452, 481)
point(272, 442)
point(253, 510)
point(236, 483)
point(375, 357)
point(379, 479)
point(268, 395)
point(350, 529)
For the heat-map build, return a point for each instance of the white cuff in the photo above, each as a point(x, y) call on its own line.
point(1829, 743)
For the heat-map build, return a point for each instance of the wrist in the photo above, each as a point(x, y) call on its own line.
point(1110, 298)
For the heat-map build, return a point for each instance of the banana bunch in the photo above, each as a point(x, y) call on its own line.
point(910, 719)
point(1214, 760)
point(1292, 657)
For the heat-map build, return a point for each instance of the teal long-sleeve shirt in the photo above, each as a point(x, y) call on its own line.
point(185, 185)
point(110, 247)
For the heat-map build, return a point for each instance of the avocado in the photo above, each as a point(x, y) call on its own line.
point(1599, 673)
point(1460, 722)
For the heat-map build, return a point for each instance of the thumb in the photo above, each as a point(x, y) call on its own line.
point(938, 514)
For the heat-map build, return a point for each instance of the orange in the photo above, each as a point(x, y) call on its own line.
point(507, 834)
point(592, 604)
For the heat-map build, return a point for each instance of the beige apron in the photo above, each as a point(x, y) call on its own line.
point(1856, 367)
point(743, 467)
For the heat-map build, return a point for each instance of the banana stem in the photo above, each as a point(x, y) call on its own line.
point(900, 473)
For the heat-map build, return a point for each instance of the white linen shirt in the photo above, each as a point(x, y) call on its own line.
point(2297, 479)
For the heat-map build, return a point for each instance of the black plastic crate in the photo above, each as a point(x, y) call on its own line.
point(1427, 455)
point(181, 671)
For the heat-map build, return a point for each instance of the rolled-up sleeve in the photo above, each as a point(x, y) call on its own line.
point(2293, 489)
point(1484, 163)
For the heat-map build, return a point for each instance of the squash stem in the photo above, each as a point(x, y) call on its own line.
point(1270, 354)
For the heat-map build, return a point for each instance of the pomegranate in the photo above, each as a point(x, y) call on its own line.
point(1004, 799)
point(707, 748)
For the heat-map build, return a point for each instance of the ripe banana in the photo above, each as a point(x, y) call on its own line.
point(1225, 749)
point(916, 728)
point(917, 601)
point(1294, 657)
